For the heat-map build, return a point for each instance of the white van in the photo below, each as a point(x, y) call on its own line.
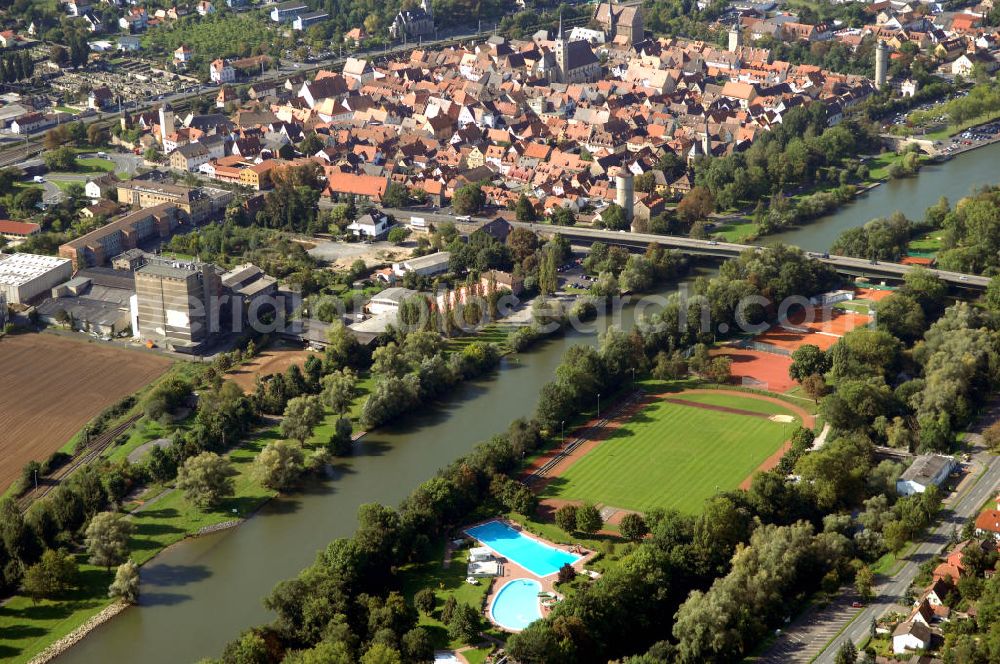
point(39, 179)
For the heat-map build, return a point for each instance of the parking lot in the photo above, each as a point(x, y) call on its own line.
point(971, 138)
point(807, 637)
point(571, 275)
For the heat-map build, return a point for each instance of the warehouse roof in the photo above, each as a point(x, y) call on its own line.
point(430, 260)
point(927, 467)
point(17, 269)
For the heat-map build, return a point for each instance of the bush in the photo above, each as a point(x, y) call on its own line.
point(633, 527)
point(398, 235)
point(425, 600)
point(588, 519)
point(448, 610)
point(566, 573)
point(566, 518)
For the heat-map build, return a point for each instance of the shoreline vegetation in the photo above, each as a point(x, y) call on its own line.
point(509, 338)
point(745, 230)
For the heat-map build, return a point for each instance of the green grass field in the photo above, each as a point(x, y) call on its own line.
point(927, 244)
point(675, 456)
point(444, 582)
point(96, 164)
point(737, 231)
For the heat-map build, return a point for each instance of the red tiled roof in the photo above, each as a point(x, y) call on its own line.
point(989, 520)
point(917, 260)
point(8, 227)
point(359, 185)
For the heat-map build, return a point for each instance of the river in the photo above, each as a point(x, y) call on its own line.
point(201, 593)
point(911, 196)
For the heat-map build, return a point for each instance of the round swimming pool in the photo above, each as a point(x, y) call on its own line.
point(516, 604)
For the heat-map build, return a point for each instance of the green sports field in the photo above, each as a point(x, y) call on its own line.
point(675, 456)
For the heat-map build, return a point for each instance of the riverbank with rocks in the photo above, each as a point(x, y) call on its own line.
point(77, 635)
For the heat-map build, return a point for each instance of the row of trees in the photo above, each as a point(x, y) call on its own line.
point(340, 609)
point(981, 100)
point(16, 67)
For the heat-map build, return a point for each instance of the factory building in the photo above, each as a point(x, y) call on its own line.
point(177, 304)
point(23, 277)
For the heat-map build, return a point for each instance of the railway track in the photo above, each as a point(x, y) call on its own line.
point(15, 156)
point(96, 447)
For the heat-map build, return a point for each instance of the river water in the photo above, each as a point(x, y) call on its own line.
point(911, 196)
point(201, 593)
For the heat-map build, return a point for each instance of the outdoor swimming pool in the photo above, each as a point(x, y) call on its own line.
point(534, 556)
point(516, 604)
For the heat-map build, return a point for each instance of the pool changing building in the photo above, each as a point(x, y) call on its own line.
point(23, 277)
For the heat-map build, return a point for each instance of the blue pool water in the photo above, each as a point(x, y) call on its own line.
point(539, 559)
point(516, 605)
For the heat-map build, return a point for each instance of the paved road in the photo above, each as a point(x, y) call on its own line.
point(711, 248)
point(52, 194)
point(805, 639)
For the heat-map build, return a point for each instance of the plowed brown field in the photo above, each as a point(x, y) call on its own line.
point(51, 386)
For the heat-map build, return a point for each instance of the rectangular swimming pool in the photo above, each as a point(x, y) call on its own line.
point(538, 558)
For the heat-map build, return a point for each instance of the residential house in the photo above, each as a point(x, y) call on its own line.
point(104, 186)
point(498, 279)
point(371, 225)
point(183, 54)
point(102, 208)
point(967, 63)
point(988, 523)
point(129, 43)
point(909, 636)
point(221, 72)
point(366, 187)
point(355, 36)
point(135, 19)
point(99, 98)
point(189, 157)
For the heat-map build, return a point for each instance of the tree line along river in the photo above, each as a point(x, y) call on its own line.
point(201, 593)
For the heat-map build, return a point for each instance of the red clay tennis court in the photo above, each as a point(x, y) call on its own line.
point(768, 368)
point(824, 331)
point(873, 294)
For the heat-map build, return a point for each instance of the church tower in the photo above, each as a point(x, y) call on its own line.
point(561, 52)
point(426, 6)
point(166, 122)
point(735, 38)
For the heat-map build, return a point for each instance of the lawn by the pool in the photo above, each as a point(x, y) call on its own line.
point(675, 456)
